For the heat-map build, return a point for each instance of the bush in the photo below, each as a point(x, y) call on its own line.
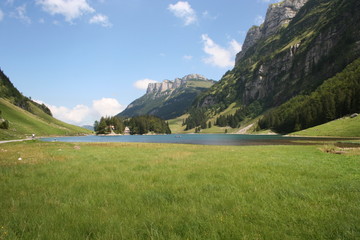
point(4, 124)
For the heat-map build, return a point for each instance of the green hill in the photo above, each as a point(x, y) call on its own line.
point(10, 92)
point(23, 123)
point(342, 127)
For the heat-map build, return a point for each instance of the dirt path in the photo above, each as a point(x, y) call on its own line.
point(18, 140)
point(245, 129)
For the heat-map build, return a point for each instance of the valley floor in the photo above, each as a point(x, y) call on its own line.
point(168, 191)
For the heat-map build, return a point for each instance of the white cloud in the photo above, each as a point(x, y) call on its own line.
point(101, 20)
point(82, 114)
point(70, 9)
point(77, 115)
point(1, 15)
point(259, 20)
point(218, 55)
point(183, 11)
point(107, 107)
point(143, 84)
point(20, 13)
point(235, 46)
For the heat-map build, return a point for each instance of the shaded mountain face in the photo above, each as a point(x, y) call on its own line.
point(300, 44)
point(168, 99)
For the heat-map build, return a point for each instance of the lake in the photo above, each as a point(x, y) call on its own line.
point(202, 139)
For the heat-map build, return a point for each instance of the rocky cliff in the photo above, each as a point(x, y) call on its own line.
point(166, 86)
point(300, 44)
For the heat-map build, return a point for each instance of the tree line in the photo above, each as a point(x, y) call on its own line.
point(137, 125)
point(234, 120)
point(197, 119)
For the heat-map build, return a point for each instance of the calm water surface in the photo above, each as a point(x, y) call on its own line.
point(203, 139)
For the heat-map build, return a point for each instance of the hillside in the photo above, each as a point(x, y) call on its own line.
point(169, 99)
point(342, 127)
point(301, 44)
point(10, 92)
point(23, 123)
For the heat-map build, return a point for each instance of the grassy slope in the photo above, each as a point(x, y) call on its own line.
point(343, 127)
point(23, 123)
point(177, 127)
point(168, 191)
point(176, 124)
point(199, 84)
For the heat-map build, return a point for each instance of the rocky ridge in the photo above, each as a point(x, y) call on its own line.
point(166, 86)
point(278, 15)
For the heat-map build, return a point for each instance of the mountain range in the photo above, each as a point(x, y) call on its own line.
point(168, 99)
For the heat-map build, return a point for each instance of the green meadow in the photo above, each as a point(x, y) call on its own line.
point(167, 191)
point(342, 127)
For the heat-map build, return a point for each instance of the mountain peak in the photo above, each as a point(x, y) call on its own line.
point(194, 77)
point(277, 15)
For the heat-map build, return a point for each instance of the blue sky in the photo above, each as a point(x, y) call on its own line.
point(87, 58)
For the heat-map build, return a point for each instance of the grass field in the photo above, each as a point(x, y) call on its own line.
point(168, 191)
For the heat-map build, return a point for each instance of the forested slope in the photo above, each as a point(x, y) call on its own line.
point(336, 97)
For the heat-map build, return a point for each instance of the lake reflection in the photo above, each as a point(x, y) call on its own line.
point(202, 139)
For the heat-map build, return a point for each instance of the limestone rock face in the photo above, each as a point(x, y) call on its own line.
point(253, 35)
point(167, 86)
point(278, 15)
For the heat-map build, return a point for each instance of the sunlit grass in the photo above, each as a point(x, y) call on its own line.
point(167, 191)
point(343, 127)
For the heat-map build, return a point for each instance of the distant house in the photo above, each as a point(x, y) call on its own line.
point(127, 131)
